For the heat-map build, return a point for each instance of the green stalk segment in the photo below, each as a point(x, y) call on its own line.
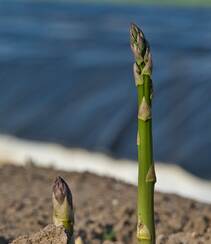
point(146, 176)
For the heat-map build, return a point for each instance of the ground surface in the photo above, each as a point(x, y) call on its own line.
point(104, 207)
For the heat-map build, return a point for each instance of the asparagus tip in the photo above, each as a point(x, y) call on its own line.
point(63, 213)
point(135, 30)
point(137, 41)
point(61, 190)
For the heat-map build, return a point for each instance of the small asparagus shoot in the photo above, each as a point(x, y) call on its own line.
point(63, 214)
point(142, 70)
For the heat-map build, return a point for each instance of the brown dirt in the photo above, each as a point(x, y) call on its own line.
point(104, 208)
point(50, 234)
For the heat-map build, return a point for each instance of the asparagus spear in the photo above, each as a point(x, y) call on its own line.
point(63, 214)
point(142, 69)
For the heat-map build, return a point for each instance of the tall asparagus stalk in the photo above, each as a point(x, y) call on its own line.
point(146, 176)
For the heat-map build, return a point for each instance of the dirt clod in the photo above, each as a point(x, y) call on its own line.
point(50, 234)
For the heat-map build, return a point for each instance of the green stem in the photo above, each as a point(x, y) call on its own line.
point(146, 178)
point(146, 174)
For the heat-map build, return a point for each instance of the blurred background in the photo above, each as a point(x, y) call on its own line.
point(66, 78)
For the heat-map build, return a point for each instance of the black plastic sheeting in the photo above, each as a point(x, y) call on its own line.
point(66, 77)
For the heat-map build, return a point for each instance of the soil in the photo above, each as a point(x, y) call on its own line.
point(50, 234)
point(104, 208)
